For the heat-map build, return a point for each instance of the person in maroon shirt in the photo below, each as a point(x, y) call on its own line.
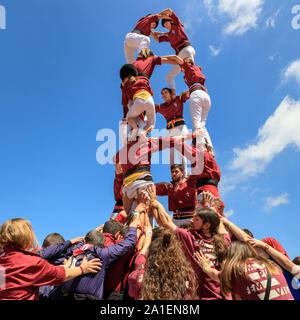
point(26, 271)
point(137, 96)
point(172, 110)
point(135, 160)
point(205, 172)
point(118, 184)
point(199, 99)
point(206, 234)
point(138, 38)
point(179, 42)
point(247, 275)
point(182, 197)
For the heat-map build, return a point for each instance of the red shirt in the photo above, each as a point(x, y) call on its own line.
point(193, 74)
point(172, 109)
point(130, 89)
point(118, 184)
point(176, 35)
point(193, 241)
point(210, 170)
point(138, 154)
point(26, 272)
point(144, 24)
point(135, 278)
point(147, 65)
point(184, 197)
point(253, 287)
point(276, 245)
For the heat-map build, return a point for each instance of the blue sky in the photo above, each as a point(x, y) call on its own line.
point(59, 85)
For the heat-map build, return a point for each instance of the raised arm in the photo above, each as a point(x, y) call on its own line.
point(161, 216)
point(235, 230)
point(280, 258)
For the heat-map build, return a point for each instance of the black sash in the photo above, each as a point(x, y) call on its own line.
point(205, 182)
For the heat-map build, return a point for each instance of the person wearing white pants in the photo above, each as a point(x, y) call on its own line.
point(200, 103)
point(179, 42)
point(138, 38)
point(172, 110)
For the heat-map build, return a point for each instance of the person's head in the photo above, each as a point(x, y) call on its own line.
point(177, 172)
point(18, 232)
point(52, 239)
point(96, 238)
point(185, 225)
point(189, 60)
point(249, 233)
point(124, 231)
point(113, 227)
point(166, 94)
point(238, 254)
point(207, 222)
point(168, 273)
point(128, 71)
point(297, 260)
point(153, 25)
point(166, 23)
point(145, 53)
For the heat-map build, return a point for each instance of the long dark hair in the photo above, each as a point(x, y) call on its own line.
point(220, 246)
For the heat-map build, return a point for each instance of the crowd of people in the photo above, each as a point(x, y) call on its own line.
point(142, 252)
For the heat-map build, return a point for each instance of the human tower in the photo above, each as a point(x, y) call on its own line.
point(133, 168)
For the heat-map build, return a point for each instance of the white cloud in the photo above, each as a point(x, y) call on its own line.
point(214, 51)
point(280, 130)
point(292, 71)
point(270, 22)
point(242, 13)
point(277, 201)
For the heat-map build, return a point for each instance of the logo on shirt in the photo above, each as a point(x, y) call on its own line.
point(175, 105)
point(187, 194)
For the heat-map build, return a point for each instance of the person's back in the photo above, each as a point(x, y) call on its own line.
point(91, 286)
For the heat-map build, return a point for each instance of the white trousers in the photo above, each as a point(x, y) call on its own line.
point(125, 129)
point(199, 108)
point(133, 42)
point(178, 131)
point(187, 52)
point(139, 106)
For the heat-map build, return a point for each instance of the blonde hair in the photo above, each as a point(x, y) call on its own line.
point(18, 232)
point(189, 60)
point(146, 53)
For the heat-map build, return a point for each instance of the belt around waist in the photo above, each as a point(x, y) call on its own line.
point(136, 170)
point(205, 182)
point(183, 210)
point(138, 31)
point(196, 86)
point(175, 122)
point(182, 45)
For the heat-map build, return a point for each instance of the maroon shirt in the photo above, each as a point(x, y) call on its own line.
point(130, 89)
point(118, 183)
point(172, 109)
point(147, 65)
point(138, 154)
point(25, 272)
point(184, 196)
point(253, 286)
point(210, 170)
point(193, 74)
point(144, 24)
point(176, 35)
point(135, 278)
point(193, 241)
